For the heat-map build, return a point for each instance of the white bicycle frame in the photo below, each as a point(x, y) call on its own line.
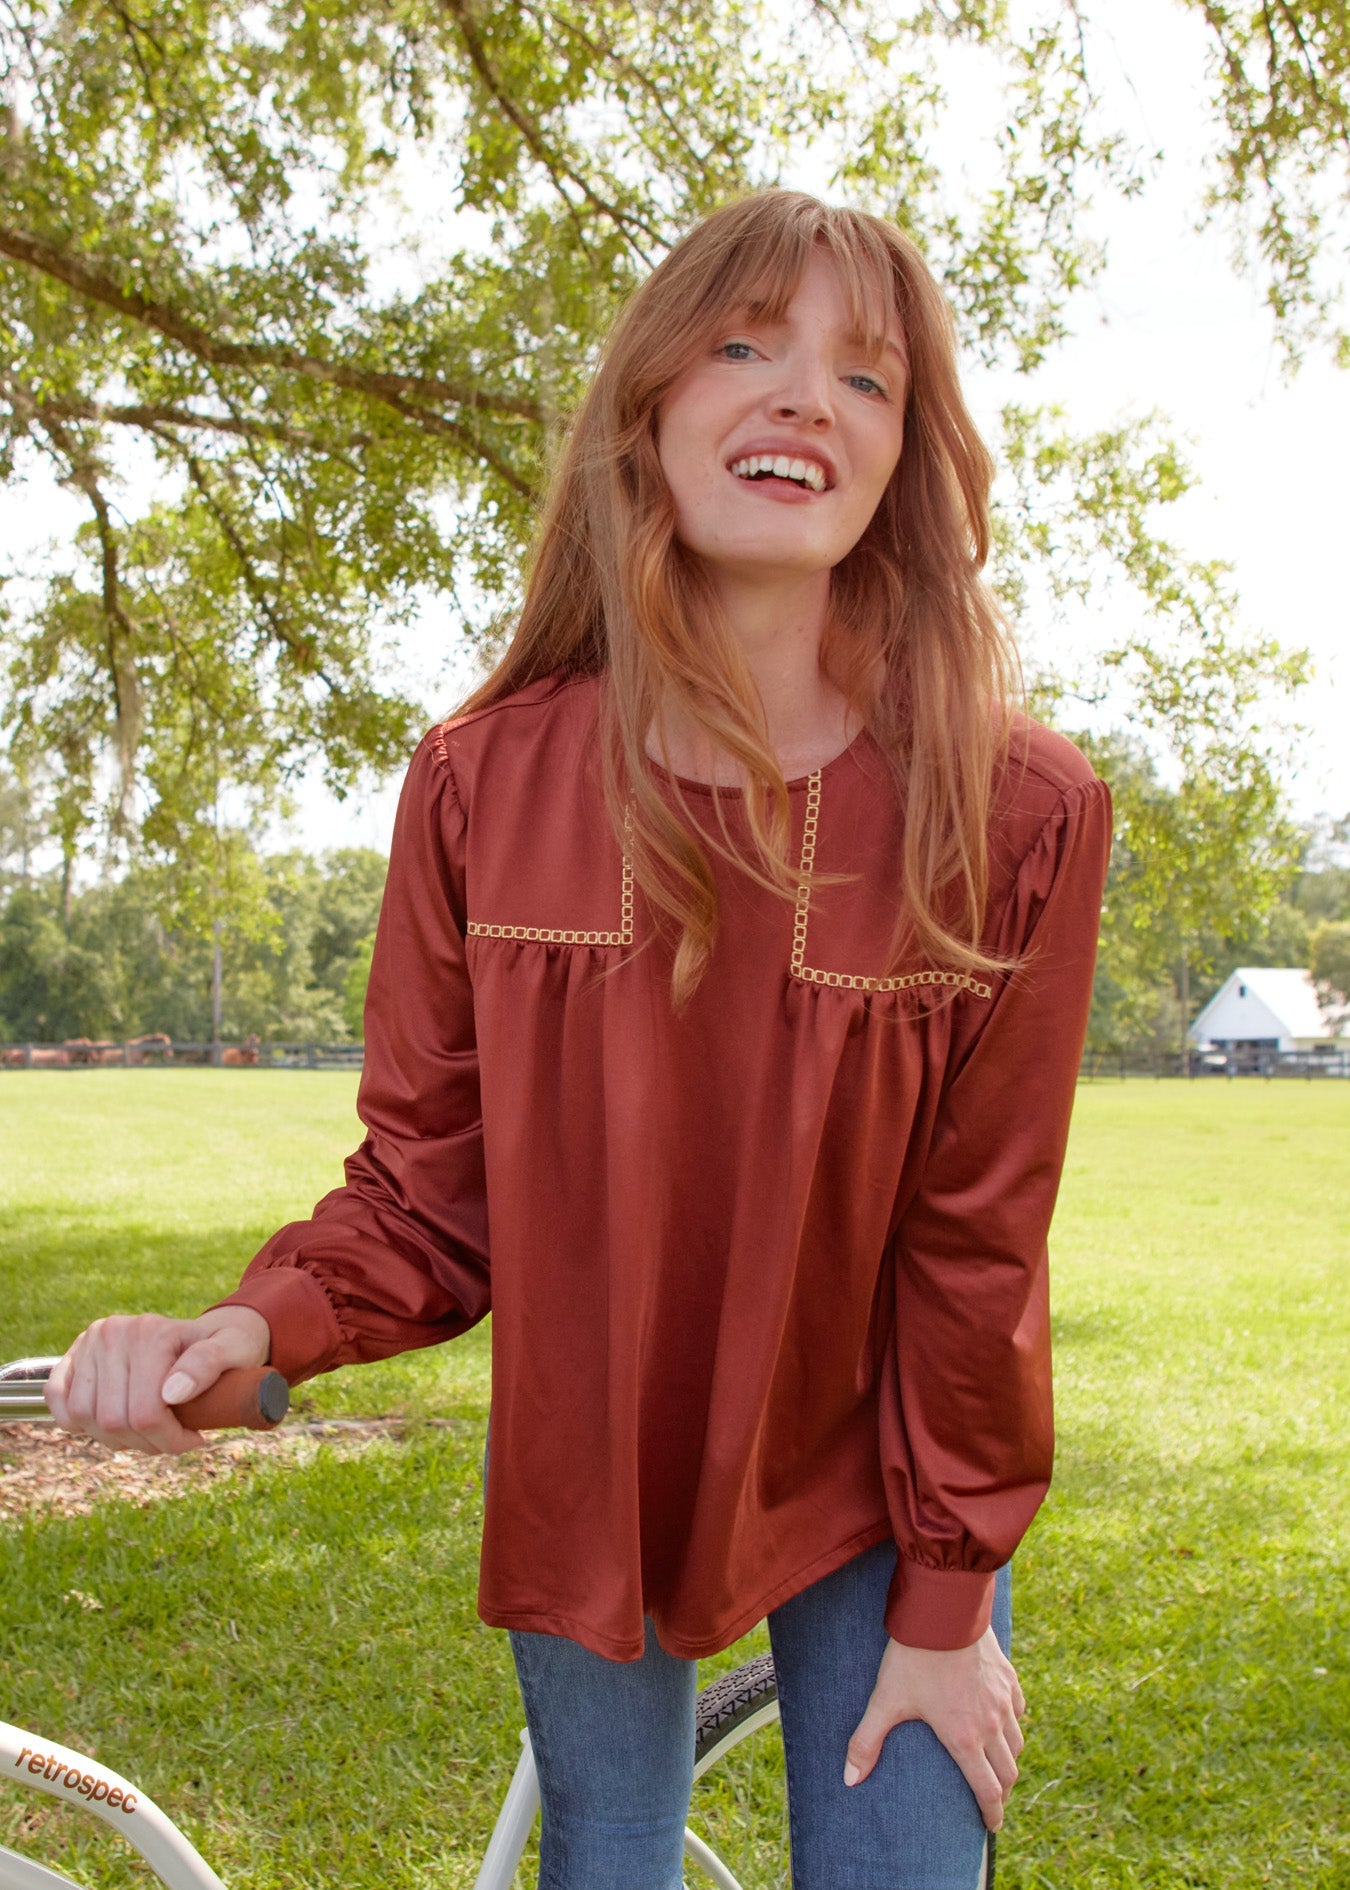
point(76, 1779)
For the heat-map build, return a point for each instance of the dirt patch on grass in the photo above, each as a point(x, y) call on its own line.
point(46, 1471)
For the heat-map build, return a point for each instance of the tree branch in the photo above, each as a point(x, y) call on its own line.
point(1273, 60)
point(392, 389)
point(133, 29)
point(152, 417)
point(602, 50)
point(305, 660)
point(1309, 63)
point(455, 430)
point(534, 143)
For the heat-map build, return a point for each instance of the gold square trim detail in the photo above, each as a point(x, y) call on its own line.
point(552, 935)
point(851, 980)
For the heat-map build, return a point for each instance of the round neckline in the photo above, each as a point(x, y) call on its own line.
point(798, 785)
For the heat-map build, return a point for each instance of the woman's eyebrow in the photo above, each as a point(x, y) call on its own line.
point(889, 346)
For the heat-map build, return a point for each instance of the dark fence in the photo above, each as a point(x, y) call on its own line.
point(158, 1052)
point(1309, 1066)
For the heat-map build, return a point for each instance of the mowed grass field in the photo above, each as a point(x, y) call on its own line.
point(290, 1660)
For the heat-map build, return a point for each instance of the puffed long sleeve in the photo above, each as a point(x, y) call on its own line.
point(398, 1257)
point(967, 1431)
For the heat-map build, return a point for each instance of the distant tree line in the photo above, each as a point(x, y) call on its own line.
point(103, 962)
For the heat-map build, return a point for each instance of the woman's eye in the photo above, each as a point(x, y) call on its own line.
point(729, 349)
point(868, 384)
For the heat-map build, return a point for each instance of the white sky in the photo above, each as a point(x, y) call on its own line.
point(1168, 326)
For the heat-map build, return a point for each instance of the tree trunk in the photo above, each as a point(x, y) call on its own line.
point(1185, 1012)
point(217, 984)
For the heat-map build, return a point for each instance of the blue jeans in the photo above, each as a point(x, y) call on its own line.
point(614, 1747)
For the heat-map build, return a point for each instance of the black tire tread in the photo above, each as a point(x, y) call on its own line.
point(724, 1703)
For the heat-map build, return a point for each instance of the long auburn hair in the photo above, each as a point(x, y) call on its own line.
point(914, 641)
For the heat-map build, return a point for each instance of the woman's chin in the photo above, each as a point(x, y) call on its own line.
point(768, 559)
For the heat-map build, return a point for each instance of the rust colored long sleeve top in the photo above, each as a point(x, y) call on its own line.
point(768, 1279)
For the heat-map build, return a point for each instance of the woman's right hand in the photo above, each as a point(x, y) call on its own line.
point(121, 1378)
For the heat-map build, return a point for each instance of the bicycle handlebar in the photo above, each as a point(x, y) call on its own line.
point(253, 1398)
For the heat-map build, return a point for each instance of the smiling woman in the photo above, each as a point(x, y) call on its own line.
point(723, 927)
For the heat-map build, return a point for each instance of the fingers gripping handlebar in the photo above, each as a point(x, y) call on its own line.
point(253, 1399)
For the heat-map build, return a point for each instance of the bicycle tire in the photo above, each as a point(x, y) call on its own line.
point(724, 1707)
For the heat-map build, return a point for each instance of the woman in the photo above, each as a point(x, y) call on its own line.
point(733, 971)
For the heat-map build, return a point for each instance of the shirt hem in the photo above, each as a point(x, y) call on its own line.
point(686, 1647)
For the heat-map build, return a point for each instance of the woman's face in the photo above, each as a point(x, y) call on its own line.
point(802, 397)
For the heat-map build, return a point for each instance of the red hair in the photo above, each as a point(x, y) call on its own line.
point(914, 641)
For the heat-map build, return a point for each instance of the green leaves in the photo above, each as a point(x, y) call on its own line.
point(1282, 164)
point(1331, 961)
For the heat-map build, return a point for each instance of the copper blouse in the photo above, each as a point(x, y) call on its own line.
point(768, 1279)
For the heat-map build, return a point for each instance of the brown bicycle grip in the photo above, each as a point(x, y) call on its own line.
point(253, 1398)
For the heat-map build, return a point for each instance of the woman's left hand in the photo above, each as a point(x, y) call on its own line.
point(968, 1695)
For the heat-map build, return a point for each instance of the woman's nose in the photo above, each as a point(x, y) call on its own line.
point(805, 395)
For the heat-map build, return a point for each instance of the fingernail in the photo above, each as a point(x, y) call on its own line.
point(177, 1386)
point(851, 1773)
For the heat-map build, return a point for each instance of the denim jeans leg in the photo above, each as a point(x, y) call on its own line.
point(613, 1746)
point(913, 1823)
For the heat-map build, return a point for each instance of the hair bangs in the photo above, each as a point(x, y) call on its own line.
point(867, 276)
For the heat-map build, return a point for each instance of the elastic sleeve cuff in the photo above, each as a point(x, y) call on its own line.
point(937, 1607)
point(306, 1337)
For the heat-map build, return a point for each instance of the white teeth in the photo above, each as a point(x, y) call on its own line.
point(806, 472)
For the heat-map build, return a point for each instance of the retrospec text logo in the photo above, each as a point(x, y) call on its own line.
point(88, 1784)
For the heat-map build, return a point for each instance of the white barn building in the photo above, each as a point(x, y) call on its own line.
point(1261, 1007)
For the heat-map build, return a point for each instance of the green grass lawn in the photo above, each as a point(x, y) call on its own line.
point(1182, 1621)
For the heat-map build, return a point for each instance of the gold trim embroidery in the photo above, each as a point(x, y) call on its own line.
point(547, 935)
point(848, 980)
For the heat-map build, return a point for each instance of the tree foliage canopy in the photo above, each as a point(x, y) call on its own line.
point(330, 276)
point(1281, 170)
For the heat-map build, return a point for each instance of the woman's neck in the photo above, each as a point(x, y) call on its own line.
point(779, 628)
